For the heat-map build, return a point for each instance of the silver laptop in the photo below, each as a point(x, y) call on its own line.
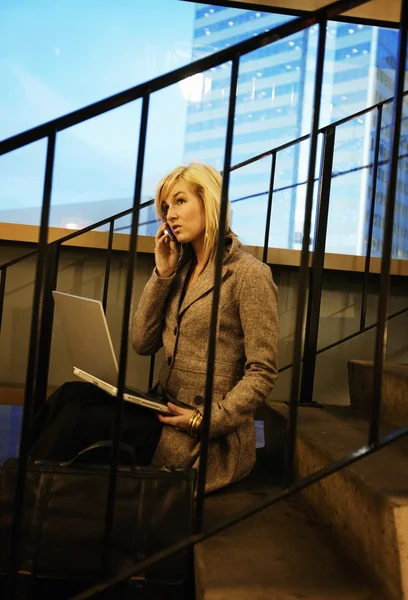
point(90, 346)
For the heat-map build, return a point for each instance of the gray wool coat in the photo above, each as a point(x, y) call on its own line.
point(245, 365)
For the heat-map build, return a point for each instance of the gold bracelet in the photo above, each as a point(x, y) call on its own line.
point(191, 425)
point(195, 424)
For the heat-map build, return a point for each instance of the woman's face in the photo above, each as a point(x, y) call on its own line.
point(185, 213)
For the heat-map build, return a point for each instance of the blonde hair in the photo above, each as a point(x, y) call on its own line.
point(206, 183)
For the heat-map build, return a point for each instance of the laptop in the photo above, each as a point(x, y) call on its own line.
point(91, 350)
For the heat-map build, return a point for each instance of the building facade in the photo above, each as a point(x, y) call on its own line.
point(274, 106)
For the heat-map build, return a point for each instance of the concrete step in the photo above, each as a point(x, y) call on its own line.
point(282, 553)
point(394, 408)
point(366, 504)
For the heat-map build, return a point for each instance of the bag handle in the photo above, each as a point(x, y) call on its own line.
point(123, 447)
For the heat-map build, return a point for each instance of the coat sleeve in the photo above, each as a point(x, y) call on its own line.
point(259, 321)
point(149, 317)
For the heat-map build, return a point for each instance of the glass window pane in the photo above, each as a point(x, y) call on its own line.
point(22, 184)
point(54, 66)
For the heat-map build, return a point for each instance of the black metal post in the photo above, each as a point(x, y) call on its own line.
point(269, 210)
point(2, 292)
point(212, 341)
point(385, 278)
point(117, 426)
point(31, 369)
point(371, 219)
point(151, 371)
point(304, 260)
point(46, 324)
point(316, 279)
point(108, 265)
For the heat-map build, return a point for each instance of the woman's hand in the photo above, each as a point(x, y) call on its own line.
point(181, 418)
point(166, 253)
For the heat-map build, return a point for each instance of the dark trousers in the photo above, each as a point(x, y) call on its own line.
point(79, 414)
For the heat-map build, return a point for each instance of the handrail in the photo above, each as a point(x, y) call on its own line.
point(305, 137)
point(18, 259)
point(110, 220)
point(349, 337)
point(375, 442)
point(335, 174)
point(148, 203)
point(35, 356)
point(386, 254)
point(162, 81)
point(235, 167)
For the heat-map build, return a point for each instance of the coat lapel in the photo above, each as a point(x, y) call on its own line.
point(203, 284)
point(182, 276)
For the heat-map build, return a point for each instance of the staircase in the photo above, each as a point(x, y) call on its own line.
point(394, 408)
point(366, 504)
point(344, 537)
point(285, 552)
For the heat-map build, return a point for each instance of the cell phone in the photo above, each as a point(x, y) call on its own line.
point(170, 233)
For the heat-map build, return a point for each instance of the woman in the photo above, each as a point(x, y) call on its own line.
point(175, 312)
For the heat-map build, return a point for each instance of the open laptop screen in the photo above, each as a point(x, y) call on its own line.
point(86, 332)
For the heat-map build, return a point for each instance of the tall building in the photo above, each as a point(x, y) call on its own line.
point(268, 113)
point(360, 66)
point(385, 66)
point(274, 105)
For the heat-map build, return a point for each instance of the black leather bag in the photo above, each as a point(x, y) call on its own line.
point(64, 517)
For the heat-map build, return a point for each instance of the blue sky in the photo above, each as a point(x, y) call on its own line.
point(59, 55)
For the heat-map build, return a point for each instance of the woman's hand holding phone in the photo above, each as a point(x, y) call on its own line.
point(166, 251)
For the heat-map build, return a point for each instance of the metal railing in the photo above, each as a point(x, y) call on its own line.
point(39, 331)
point(310, 347)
